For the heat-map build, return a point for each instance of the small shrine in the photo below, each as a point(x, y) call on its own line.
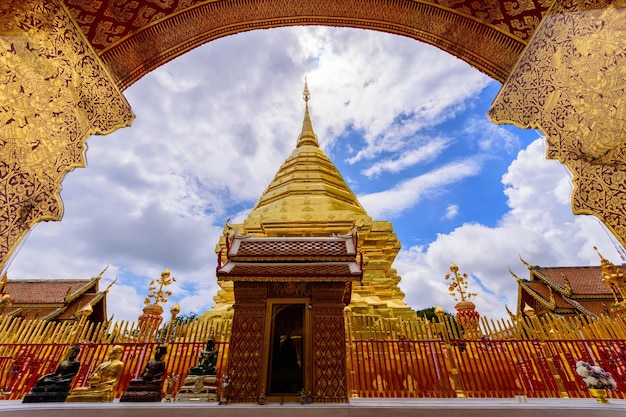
point(288, 334)
point(58, 300)
point(568, 291)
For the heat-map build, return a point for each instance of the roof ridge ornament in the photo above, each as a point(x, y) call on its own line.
point(307, 136)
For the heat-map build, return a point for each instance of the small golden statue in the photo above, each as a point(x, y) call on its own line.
point(102, 381)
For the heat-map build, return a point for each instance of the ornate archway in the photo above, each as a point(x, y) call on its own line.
point(65, 62)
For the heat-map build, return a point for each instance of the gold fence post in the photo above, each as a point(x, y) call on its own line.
point(541, 333)
point(455, 378)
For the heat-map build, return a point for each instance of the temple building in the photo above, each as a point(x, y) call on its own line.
point(592, 291)
point(307, 254)
point(309, 198)
point(53, 300)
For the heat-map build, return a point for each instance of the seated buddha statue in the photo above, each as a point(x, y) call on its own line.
point(148, 387)
point(55, 386)
point(102, 381)
point(207, 360)
point(200, 384)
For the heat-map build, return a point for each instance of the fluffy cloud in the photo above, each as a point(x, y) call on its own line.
point(405, 195)
point(540, 227)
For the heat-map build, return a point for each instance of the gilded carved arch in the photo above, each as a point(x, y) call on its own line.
point(133, 38)
point(64, 62)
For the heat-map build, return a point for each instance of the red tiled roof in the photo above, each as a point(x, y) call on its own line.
point(44, 291)
point(588, 292)
point(51, 299)
point(584, 281)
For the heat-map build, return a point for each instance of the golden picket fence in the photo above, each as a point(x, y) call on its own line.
point(29, 349)
point(386, 357)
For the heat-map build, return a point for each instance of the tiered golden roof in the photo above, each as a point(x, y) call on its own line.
point(308, 197)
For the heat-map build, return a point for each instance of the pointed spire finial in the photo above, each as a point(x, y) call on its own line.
point(307, 136)
point(306, 94)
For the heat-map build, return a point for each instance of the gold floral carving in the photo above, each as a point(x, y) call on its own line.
point(54, 94)
point(570, 82)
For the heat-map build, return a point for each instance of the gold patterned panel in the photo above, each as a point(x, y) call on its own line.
point(107, 23)
point(54, 93)
point(329, 356)
point(570, 82)
point(486, 45)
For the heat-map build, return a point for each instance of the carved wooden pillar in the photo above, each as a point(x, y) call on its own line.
point(330, 380)
point(246, 343)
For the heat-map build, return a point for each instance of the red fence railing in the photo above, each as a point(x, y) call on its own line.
point(480, 369)
point(376, 368)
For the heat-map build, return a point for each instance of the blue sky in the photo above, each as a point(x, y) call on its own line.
point(404, 123)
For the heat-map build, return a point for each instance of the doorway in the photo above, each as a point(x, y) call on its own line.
point(287, 349)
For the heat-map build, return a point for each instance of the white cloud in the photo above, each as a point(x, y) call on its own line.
point(540, 227)
point(490, 138)
point(424, 153)
point(405, 195)
point(451, 211)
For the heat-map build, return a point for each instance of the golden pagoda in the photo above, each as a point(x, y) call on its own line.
point(308, 197)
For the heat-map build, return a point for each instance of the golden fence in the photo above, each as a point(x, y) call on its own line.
point(385, 357)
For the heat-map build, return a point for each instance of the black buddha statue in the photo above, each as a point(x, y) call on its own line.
point(55, 387)
point(148, 387)
point(207, 361)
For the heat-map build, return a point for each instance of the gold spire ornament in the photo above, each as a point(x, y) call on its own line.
point(159, 294)
point(151, 318)
point(613, 279)
point(458, 286)
point(466, 315)
point(307, 136)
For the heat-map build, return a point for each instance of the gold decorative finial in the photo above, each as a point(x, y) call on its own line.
point(458, 285)
point(306, 94)
point(86, 311)
point(612, 277)
point(307, 136)
point(175, 309)
point(3, 281)
point(159, 294)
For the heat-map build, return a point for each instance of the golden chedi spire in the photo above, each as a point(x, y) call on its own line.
point(308, 197)
point(307, 136)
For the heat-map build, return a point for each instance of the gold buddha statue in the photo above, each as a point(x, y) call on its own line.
point(102, 381)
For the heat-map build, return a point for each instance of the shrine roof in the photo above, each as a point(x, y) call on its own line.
point(569, 290)
point(57, 299)
point(584, 281)
point(285, 249)
point(289, 271)
point(48, 291)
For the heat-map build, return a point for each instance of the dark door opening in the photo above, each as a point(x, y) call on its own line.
point(286, 359)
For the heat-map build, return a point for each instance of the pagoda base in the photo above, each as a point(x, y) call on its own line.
point(198, 388)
